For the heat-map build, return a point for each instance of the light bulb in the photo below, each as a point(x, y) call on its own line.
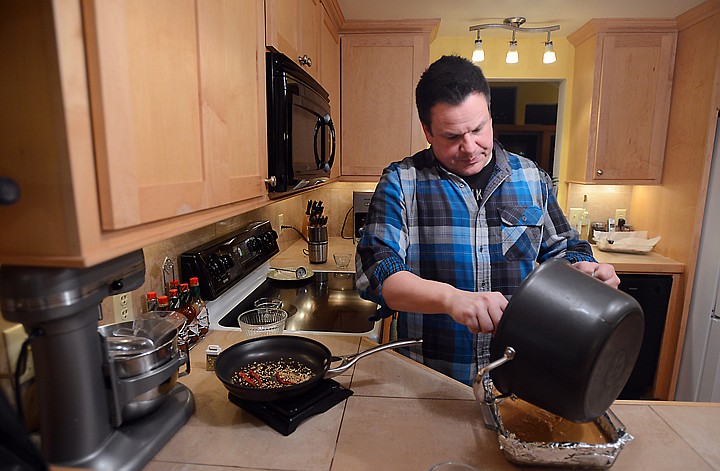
point(478, 54)
point(549, 55)
point(512, 54)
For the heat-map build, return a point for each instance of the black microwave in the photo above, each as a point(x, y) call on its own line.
point(301, 133)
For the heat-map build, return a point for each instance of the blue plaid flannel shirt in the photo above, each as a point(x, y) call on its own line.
point(426, 220)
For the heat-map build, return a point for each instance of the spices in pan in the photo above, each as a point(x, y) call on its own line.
point(272, 374)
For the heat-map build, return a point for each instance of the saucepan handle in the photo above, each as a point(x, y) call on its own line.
point(478, 389)
point(347, 361)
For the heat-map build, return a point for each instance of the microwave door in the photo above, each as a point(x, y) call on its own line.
point(304, 142)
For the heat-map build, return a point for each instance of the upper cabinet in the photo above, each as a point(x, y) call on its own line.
point(132, 123)
point(382, 61)
point(329, 68)
point(621, 100)
point(293, 27)
point(174, 134)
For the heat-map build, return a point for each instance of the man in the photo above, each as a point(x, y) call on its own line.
point(453, 229)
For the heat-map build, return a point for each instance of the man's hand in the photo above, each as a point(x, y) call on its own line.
point(479, 312)
point(602, 271)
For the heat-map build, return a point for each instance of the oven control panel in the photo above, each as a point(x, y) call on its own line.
point(221, 263)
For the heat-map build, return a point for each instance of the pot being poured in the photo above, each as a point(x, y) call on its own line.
point(567, 343)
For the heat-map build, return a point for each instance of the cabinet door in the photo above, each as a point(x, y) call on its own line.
point(232, 99)
point(633, 106)
point(293, 28)
point(169, 80)
point(379, 75)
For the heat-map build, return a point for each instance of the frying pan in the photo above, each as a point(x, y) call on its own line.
point(309, 352)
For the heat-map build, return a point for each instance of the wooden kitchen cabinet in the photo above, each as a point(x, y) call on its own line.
point(381, 64)
point(621, 100)
point(133, 122)
point(330, 69)
point(293, 27)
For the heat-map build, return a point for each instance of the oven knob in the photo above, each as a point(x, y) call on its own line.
point(254, 244)
point(269, 236)
point(215, 268)
point(227, 262)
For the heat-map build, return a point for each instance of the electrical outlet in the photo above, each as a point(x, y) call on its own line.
point(14, 338)
point(574, 216)
point(280, 222)
point(122, 307)
point(620, 214)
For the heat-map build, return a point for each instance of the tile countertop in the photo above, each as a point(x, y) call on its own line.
point(404, 416)
point(293, 256)
point(652, 262)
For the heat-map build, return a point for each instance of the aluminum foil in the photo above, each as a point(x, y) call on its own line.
point(573, 454)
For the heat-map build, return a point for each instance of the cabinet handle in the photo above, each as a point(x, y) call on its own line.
point(270, 181)
point(599, 172)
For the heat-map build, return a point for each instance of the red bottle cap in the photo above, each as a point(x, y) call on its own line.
point(152, 295)
point(194, 281)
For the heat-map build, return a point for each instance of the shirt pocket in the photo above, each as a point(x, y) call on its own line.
point(521, 232)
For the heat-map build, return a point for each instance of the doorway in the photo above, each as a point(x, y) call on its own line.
point(527, 119)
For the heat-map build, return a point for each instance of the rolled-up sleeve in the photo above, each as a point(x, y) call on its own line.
point(382, 248)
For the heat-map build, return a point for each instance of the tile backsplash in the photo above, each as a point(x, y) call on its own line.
point(603, 200)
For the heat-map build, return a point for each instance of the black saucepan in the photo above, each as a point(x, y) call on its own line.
point(567, 343)
point(306, 351)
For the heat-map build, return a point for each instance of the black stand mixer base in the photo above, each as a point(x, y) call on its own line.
point(285, 415)
point(132, 446)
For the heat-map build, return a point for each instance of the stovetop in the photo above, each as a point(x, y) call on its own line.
point(233, 269)
point(325, 302)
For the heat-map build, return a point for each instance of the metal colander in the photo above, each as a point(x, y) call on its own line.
point(262, 321)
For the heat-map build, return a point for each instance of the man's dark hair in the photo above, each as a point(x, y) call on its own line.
point(450, 79)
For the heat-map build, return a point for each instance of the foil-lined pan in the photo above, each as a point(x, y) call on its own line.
point(529, 435)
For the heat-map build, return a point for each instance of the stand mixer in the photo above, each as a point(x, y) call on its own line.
point(60, 309)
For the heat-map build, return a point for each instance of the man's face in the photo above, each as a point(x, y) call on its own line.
point(461, 135)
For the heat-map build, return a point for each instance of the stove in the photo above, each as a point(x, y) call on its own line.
point(233, 269)
point(284, 416)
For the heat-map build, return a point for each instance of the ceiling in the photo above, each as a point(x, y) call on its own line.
point(458, 15)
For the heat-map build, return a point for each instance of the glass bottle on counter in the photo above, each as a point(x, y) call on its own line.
point(151, 301)
point(196, 300)
point(163, 303)
point(174, 300)
point(584, 222)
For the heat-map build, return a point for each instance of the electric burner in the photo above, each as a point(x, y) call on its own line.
point(285, 415)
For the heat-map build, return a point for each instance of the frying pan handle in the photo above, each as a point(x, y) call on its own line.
point(346, 361)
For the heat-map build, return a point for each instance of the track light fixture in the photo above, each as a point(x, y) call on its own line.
point(478, 54)
point(514, 24)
